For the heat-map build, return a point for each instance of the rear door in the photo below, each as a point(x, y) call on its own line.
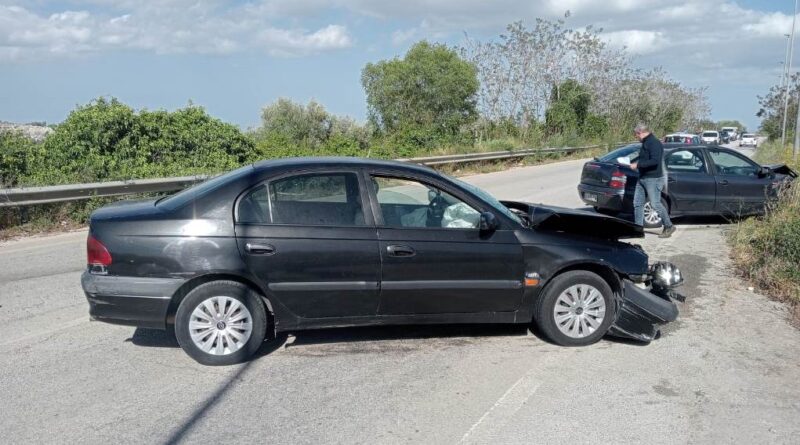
point(310, 240)
point(740, 191)
point(691, 187)
point(435, 259)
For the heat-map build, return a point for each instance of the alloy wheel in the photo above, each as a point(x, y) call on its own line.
point(220, 325)
point(579, 310)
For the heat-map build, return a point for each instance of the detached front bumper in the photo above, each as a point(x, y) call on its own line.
point(642, 313)
point(644, 309)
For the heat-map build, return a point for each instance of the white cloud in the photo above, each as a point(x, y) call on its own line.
point(163, 27)
point(770, 25)
point(637, 41)
point(285, 42)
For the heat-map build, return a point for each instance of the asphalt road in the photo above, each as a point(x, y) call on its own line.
point(727, 371)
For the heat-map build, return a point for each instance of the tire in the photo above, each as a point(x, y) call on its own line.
point(655, 222)
point(558, 291)
point(218, 331)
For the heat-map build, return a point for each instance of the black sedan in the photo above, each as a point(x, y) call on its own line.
point(327, 242)
point(701, 180)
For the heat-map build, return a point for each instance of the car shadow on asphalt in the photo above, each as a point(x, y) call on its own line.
point(154, 338)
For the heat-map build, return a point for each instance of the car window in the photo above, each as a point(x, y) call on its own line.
point(409, 203)
point(685, 161)
point(710, 134)
point(329, 199)
point(630, 151)
point(199, 190)
point(731, 164)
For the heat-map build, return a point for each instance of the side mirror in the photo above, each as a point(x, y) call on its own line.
point(763, 172)
point(488, 222)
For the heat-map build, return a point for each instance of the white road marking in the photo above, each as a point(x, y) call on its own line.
point(496, 417)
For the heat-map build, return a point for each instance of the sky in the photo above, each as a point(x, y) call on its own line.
point(234, 57)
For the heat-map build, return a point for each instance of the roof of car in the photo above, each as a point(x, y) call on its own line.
point(338, 161)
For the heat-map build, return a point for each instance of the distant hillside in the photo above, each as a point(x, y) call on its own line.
point(37, 132)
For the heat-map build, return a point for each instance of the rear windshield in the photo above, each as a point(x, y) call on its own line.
point(710, 133)
point(748, 135)
point(196, 191)
point(631, 151)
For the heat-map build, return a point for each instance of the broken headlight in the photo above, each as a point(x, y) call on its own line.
point(666, 275)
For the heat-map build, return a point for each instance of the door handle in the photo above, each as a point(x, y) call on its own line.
point(723, 182)
point(400, 251)
point(259, 249)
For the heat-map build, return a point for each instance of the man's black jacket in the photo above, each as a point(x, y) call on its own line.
point(651, 158)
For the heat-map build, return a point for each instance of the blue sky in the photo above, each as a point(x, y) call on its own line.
point(234, 57)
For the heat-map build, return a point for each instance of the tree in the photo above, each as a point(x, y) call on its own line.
point(106, 140)
point(771, 109)
point(429, 94)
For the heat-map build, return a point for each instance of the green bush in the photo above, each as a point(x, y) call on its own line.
point(767, 249)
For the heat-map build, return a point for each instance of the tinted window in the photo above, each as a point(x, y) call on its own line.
point(685, 161)
point(730, 164)
point(710, 134)
point(196, 191)
point(407, 203)
point(330, 199)
point(631, 151)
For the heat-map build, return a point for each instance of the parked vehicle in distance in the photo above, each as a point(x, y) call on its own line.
point(682, 138)
point(710, 137)
point(748, 139)
point(701, 180)
point(724, 137)
point(308, 243)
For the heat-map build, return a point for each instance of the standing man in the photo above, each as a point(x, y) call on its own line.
point(651, 179)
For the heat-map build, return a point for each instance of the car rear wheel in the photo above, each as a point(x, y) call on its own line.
point(651, 218)
point(575, 309)
point(221, 323)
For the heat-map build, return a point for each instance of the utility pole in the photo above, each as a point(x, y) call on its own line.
point(797, 120)
point(788, 78)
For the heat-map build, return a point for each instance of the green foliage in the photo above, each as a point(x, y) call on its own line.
point(427, 96)
point(18, 155)
point(289, 128)
point(767, 249)
point(107, 140)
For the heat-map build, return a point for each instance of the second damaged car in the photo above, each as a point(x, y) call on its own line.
point(310, 243)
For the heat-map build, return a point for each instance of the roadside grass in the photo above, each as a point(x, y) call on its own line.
point(766, 250)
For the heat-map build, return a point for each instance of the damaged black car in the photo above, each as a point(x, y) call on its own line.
point(310, 243)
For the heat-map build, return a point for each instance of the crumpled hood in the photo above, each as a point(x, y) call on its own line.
point(580, 222)
point(782, 169)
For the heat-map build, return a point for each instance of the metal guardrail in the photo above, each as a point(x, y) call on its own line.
point(24, 196)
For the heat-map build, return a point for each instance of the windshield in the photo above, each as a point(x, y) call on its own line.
point(198, 190)
point(629, 151)
point(489, 199)
point(710, 134)
point(748, 135)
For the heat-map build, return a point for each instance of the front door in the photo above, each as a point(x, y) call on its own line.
point(312, 243)
point(740, 190)
point(691, 187)
point(435, 259)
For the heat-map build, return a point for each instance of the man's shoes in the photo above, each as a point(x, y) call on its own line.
point(668, 231)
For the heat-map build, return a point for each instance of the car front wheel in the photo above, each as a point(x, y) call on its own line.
point(221, 323)
point(575, 309)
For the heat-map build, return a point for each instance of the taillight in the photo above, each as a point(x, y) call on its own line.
point(97, 256)
point(618, 180)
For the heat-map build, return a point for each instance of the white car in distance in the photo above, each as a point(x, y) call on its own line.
point(748, 139)
point(710, 137)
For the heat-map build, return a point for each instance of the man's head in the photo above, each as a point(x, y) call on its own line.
point(641, 131)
